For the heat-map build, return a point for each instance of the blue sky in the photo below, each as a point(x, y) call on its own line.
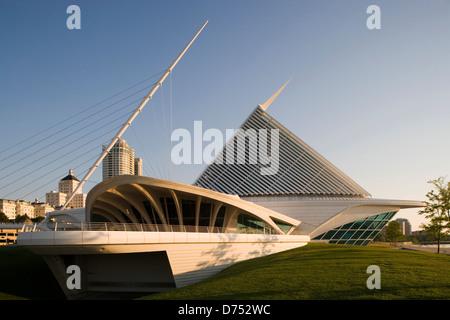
point(373, 102)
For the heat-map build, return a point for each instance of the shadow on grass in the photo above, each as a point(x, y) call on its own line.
point(326, 272)
point(25, 275)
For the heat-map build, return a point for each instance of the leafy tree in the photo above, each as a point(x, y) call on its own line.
point(437, 209)
point(38, 219)
point(393, 231)
point(3, 218)
point(21, 218)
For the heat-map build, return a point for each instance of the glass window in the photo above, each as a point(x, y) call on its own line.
point(348, 234)
point(220, 217)
point(358, 224)
point(382, 224)
point(366, 224)
point(329, 234)
point(391, 215)
point(188, 207)
point(251, 224)
point(375, 224)
point(359, 232)
point(204, 214)
point(285, 227)
point(366, 234)
point(339, 234)
point(171, 210)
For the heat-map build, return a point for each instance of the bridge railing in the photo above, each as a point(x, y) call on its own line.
point(137, 227)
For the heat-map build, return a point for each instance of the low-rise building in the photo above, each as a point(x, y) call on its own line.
point(24, 208)
point(8, 207)
point(8, 233)
point(41, 208)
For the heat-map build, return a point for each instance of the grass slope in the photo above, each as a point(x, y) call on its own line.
point(316, 271)
point(325, 271)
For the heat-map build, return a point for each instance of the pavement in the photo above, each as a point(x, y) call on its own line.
point(442, 250)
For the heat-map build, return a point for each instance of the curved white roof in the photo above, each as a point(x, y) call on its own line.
point(126, 198)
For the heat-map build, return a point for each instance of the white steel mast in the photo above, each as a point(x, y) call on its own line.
point(132, 117)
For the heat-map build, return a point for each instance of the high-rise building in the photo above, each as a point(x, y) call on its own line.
point(68, 183)
point(138, 166)
point(405, 226)
point(66, 187)
point(120, 161)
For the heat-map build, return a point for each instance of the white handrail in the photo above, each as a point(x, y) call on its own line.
point(139, 227)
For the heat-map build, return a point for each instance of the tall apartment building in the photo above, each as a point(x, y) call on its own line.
point(138, 166)
point(121, 161)
point(65, 188)
point(405, 226)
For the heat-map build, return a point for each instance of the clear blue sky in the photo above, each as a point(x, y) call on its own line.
point(373, 102)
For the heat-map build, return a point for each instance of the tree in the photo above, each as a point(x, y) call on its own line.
point(3, 218)
point(21, 218)
point(437, 209)
point(393, 231)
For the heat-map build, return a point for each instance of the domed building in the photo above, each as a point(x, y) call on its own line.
point(66, 186)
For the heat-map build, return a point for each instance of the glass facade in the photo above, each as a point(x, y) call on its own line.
point(359, 232)
point(250, 224)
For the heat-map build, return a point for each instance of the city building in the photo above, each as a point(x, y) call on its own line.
point(138, 167)
point(24, 208)
point(55, 198)
point(41, 208)
point(8, 207)
point(9, 232)
point(66, 187)
point(14, 208)
point(120, 161)
point(405, 226)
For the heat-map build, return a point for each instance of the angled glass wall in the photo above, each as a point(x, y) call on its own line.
point(359, 232)
point(251, 224)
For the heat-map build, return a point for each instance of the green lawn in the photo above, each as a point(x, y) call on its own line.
point(316, 271)
point(325, 271)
